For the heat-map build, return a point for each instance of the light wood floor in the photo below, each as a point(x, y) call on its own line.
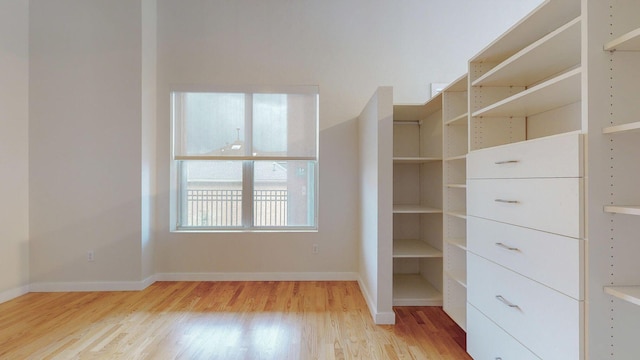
point(221, 320)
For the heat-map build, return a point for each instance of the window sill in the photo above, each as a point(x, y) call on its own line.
point(246, 231)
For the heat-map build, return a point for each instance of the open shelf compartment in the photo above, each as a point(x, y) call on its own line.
point(554, 93)
point(414, 248)
point(554, 53)
point(414, 290)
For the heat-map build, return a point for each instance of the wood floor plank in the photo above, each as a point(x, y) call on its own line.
point(222, 320)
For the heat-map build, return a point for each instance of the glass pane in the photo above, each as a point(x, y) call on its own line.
point(212, 124)
point(285, 124)
point(284, 193)
point(211, 193)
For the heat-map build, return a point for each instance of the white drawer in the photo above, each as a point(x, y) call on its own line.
point(553, 205)
point(555, 156)
point(553, 260)
point(487, 341)
point(544, 320)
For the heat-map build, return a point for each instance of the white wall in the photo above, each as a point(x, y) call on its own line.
point(348, 48)
point(14, 155)
point(376, 188)
point(148, 159)
point(85, 141)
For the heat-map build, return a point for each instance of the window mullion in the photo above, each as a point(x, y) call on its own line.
point(247, 188)
point(183, 196)
point(247, 165)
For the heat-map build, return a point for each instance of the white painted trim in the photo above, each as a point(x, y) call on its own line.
point(267, 276)
point(385, 318)
point(13, 293)
point(367, 298)
point(93, 286)
point(148, 281)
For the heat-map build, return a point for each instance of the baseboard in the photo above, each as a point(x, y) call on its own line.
point(143, 284)
point(367, 298)
point(148, 281)
point(267, 276)
point(93, 286)
point(383, 318)
point(13, 293)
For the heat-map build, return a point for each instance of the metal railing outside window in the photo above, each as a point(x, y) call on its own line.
point(223, 208)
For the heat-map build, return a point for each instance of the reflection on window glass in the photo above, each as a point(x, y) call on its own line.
point(214, 123)
point(270, 124)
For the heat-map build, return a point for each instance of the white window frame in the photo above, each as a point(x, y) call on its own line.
point(177, 183)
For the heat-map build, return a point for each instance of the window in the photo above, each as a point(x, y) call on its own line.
point(245, 160)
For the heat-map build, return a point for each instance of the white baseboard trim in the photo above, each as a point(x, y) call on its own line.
point(384, 318)
point(148, 281)
point(13, 293)
point(267, 276)
point(367, 298)
point(93, 286)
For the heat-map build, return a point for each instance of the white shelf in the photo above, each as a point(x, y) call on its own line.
point(623, 209)
point(414, 290)
point(412, 112)
point(457, 186)
point(414, 160)
point(458, 85)
point(556, 52)
point(457, 242)
point(627, 42)
point(415, 209)
point(459, 278)
point(412, 248)
point(634, 126)
point(458, 120)
point(559, 91)
point(458, 214)
point(626, 293)
point(454, 158)
point(549, 15)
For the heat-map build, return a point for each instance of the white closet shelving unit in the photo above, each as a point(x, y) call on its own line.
point(614, 146)
point(417, 204)
point(525, 190)
point(527, 83)
point(531, 214)
point(455, 118)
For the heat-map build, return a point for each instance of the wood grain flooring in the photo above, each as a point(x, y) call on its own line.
point(221, 320)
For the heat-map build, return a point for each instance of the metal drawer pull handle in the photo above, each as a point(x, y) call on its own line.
point(507, 247)
point(498, 358)
point(506, 162)
point(507, 201)
point(506, 302)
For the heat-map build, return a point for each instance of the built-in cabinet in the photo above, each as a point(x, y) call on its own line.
point(417, 204)
point(455, 146)
point(525, 190)
point(536, 153)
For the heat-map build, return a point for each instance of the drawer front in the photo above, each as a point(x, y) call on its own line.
point(553, 205)
point(553, 260)
point(487, 341)
point(545, 321)
point(555, 156)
